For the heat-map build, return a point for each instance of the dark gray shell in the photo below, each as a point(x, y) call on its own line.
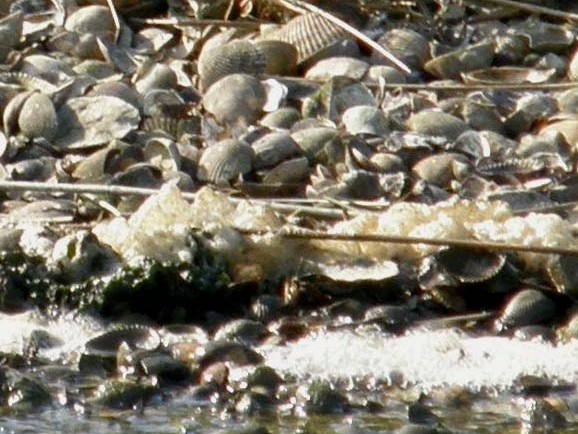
point(310, 34)
point(470, 266)
point(406, 45)
point(235, 57)
point(136, 337)
point(563, 273)
point(527, 307)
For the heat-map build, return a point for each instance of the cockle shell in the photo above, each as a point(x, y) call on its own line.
point(237, 57)
point(225, 161)
point(309, 33)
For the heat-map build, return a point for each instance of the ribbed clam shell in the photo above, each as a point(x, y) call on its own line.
point(232, 58)
point(173, 126)
point(470, 266)
point(225, 161)
point(512, 166)
point(309, 33)
point(527, 307)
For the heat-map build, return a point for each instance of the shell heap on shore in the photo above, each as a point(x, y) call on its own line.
point(276, 117)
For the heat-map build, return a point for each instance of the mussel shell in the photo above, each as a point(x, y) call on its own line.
point(136, 337)
point(310, 34)
point(237, 57)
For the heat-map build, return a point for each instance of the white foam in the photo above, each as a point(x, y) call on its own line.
point(426, 359)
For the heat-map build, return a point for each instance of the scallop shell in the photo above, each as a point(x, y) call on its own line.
point(310, 34)
point(235, 57)
point(225, 161)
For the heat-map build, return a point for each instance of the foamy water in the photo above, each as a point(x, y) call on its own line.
point(425, 359)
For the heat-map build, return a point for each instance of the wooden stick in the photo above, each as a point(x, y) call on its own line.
point(396, 239)
point(114, 19)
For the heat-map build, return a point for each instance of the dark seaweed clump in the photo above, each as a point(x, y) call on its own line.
point(164, 292)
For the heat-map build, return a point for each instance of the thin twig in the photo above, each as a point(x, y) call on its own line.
point(412, 87)
point(115, 20)
point(118, 190)
point(290, 4)
point(193, 22)
point(533, 9)
point(396, 239)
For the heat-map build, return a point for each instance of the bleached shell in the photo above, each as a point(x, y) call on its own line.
point(38, 118)
point(116, 89)
point(337, 66)
point(438, 169)
point(509, 75)
point(91, 121)
point(452, 64)
point(225, 161)
point(436, 123)
point(235, 98)
point(364, 119)
point(309, 33)
point(90, 19)
point(237, 57)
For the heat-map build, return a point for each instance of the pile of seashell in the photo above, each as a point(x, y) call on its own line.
point(458, 119)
